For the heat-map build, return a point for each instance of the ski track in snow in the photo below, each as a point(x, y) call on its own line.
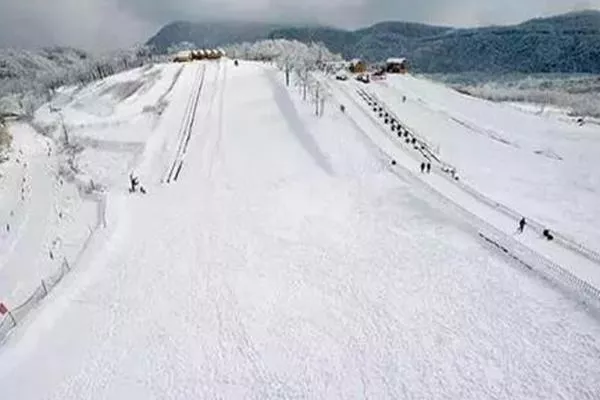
point(288, 262)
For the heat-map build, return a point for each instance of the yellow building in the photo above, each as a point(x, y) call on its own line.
point(357, 66)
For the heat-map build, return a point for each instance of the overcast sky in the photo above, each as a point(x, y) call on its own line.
point(107, 24)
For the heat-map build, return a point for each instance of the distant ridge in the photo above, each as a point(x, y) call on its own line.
point(563, 43)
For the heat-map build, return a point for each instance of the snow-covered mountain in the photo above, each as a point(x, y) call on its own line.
point(565, 43)
point(209, 34)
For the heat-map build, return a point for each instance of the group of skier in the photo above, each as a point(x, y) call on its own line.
point(545, 233)
point(426, 167)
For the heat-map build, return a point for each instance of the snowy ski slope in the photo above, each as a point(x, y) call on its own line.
point(562, 259)
point(45, 214)
point(289, 259)
point(546, 169)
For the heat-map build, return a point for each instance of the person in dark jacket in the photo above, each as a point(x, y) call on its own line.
point(133, 183)
point(422, 167)
point(546, 233)
point(428, 167)
point(522, 224)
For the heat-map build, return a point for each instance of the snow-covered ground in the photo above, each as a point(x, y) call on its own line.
point(46, 215)
point(542, 167)
point(289, 260)
point(44, 219)
point(553, 113)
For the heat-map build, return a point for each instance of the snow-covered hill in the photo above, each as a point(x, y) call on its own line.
point(28, 77)
point(539, 165)
point(576, 94)
point(286, 256)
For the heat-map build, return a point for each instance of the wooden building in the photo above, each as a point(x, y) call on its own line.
point(357, 66)
point(396, 66)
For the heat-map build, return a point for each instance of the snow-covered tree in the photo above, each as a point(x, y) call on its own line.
point(296, 59)
point(580, 94)
point(298, 55)
point(29, 79)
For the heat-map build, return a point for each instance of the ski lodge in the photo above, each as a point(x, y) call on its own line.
point(396, 66)
point(200, 54)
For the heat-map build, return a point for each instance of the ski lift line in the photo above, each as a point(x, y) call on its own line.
point(193, 115)
point(178, 170)
point(395, 142)
point(406, 127)
point(181, 130)
point(187, 124)
point(425, 146)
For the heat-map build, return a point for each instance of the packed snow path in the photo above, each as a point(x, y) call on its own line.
point(287, 261)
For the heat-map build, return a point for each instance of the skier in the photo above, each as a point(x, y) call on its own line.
point(428, 167)
point(393, 162)
point(522, 224)
point(422, 167)
point(546, 233)
point(133, 182)
point(342, 108)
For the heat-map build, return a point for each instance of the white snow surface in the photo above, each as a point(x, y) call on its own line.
point(44, 219)
point(39, 216)
point(289, 260)
point(544, 168)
